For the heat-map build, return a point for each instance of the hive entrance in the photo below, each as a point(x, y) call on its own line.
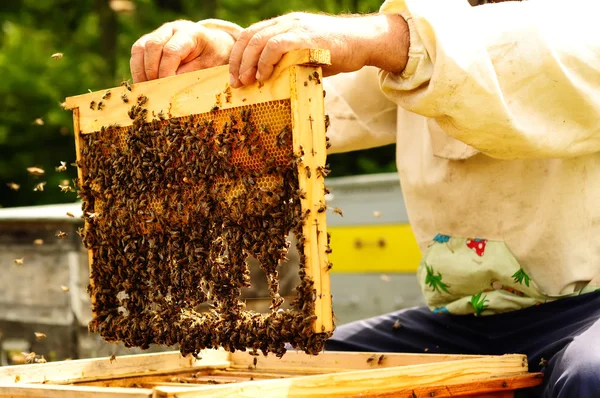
point(174, 208)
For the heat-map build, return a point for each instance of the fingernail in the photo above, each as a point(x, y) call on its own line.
point(232, 80)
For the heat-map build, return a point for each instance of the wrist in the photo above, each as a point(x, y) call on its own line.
point(386, 43)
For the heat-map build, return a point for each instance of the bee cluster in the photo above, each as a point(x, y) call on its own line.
point(174, 208)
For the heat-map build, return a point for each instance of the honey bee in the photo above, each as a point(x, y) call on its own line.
point(93, 105)
point(112, 358)
point(13, 186)
point(38, 242)
point(57, 55)
point(371, 359)
point(35, 171)
point(29, 356)
point(65, 188)
point(62, 167)
point(39, 336)
point(64, 288)
point(142, 100)
point(100, 105)
point(61, 234)
point(19, 261)
point(339, 211)
point(70, 214)
point(380, 360)
point(39, 187)
point(40, 360)
point(124, 98)
point(106, 95)
point(126, 84)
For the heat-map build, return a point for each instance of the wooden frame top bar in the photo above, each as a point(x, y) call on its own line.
point(176, 96)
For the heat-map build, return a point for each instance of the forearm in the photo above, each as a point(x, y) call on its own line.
point(387, 42)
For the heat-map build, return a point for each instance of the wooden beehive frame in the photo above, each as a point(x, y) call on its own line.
point(202, 91)
point(296, 374)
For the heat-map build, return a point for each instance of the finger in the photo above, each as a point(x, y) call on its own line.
point(237, 52)
point(275, 49)
point(182, 46)
point(153, 48)
point(254, 49)
point(136, 62)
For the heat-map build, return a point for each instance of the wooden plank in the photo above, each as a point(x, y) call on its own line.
point(365, 382)
point(189, 93)
point(103, 368)
point(53, 391)
point(340, 360)
point(493, 387)
point(308, 124)
point(80, 173)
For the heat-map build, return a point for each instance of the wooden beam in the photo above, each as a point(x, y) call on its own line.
point(104, 368)
point(308, 124)
point(330, 360)
point(189, 93)
point(494, 387)
point(53, 391)
point(365, 382)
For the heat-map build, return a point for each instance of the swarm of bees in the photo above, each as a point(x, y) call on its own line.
point(174, 208)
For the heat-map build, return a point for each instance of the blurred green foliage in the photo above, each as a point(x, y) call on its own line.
point(95, 37)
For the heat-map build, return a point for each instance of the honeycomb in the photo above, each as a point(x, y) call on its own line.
point(173, 210)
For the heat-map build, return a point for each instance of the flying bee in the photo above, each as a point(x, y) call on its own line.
point(70, 214)
point(19, 261)
point(61, 234)
point(39, 336)
point(38, 242)
point(39, 187)
point(64, 288)
point(57, 55)
point(35, 171)
point(65, 188)
point(339, 211)
point(397, 325)
point(62, 167)
point(14, 186)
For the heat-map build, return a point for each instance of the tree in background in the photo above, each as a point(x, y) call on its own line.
point(95, 37)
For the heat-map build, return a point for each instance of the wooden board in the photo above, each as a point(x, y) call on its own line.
point(221, 374)
point(190, 93)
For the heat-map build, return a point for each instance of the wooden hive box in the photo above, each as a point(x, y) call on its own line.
point(223, 374)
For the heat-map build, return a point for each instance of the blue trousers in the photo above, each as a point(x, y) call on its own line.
point(561, 339)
